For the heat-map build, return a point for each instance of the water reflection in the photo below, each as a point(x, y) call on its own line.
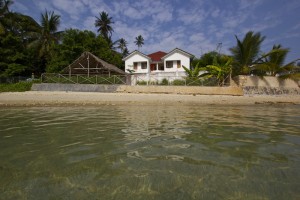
point(150, 152)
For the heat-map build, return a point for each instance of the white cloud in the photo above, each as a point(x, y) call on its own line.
point(197, 37)
point(247, 4)
point(20, 7)
point(195, 25)
point(192, 16)
point(74, 8)
point(215, 13)
point(89, 24)
point(163, 16)
point(43, 5)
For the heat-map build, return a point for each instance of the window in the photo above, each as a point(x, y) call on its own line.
point(161, 67)
point(135, 65)
point(144, 65)
point(169, 64)
point(178, 64)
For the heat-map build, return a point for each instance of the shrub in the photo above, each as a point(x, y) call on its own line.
point(16, 87)
point(178, 82)
point(153, 83)
point(164, 82)
point(141, 82)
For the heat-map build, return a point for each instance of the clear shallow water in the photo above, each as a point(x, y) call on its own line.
point(147, 152)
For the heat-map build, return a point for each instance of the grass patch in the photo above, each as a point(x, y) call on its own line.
point(16, 87)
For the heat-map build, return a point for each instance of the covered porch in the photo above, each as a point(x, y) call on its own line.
point(157, 67)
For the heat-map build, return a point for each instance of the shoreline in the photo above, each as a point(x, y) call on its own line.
point(42, 98)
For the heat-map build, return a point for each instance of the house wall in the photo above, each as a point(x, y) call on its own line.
point(177, 56)
point(157, 77)
point(136, 58)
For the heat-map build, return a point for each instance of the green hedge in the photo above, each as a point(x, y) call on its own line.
point(16, 87)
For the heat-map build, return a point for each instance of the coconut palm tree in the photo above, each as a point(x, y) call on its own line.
point(122, 44)
point(273, 62)
point(246, 52)
point(47, 34)
point(125, 52)
point(103, 22)
point(139, 41)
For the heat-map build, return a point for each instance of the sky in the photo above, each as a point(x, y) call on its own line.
point(196, 26)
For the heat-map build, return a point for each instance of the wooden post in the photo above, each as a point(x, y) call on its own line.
point(88, 60)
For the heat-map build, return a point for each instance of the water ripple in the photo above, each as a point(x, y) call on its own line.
point(161, 152)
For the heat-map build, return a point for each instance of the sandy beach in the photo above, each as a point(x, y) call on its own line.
point(33, 98)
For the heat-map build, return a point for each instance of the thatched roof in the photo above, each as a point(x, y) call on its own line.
point(90, 64)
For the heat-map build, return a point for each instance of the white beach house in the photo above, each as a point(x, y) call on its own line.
point(158, 65)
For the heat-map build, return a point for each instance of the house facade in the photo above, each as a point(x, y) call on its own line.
point(158, 65)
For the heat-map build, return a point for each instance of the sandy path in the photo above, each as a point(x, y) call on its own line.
point(32, 98)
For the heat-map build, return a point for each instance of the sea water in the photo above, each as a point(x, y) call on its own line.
point(150, 152)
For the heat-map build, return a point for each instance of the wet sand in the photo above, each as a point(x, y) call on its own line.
point(33, 98)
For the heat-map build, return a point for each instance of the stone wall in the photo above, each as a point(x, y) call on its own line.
point(267, 85)
point(74, 87)
point(195, 90)
point(235, 91)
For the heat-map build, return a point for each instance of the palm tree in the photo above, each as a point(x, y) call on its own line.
point(139, 41)
point(104, 23)
point(47, 34)
point(125, 52)
point(122, 44)
point(246, 52)
point(273, 62)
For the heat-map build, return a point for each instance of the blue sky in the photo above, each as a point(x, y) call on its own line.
point(196, 26)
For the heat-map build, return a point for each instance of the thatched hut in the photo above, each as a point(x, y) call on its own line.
point(89, 64)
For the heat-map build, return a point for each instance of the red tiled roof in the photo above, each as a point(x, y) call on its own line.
point(156, 56)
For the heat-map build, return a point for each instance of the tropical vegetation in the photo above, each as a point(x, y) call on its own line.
point(246, 59)
point(246, 52)
point(104, 24)
point(139, 41)
point(28, 46)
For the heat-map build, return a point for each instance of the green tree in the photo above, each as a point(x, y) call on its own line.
point(47, 34)
point(125, 52)
point(207, 59)
point(273, 63)
point(246, 52)
point(192, 73)
point(219, 70)
point(122, 44)
point(13, 57)
point(4, 10)
point(74, 43)
point(22, 26)
point(104, 22)
point(139, 41)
